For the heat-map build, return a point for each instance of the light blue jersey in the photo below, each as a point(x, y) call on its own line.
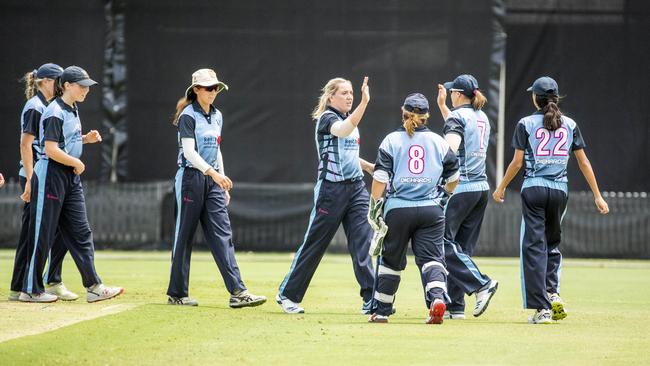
point(338, 156)
point(205, 129)
point(474, 129)
point(416, 166)
point(61, 123)
point(30, 119)
point(546, 153)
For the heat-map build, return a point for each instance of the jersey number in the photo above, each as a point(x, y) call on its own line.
point(481, 127)
point(416, 159)
point(560, 146)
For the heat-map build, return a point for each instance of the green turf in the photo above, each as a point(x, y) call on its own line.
point(608, 322)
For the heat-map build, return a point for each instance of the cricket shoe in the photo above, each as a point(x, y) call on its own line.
point(289, 306)
point(436, 312)
point(367, 308)
point(61, 292)
point(99, 292)
point(558, 311)
point(454, 315)
point(187, 301)
point(42, 297)
point(483, 297)
point(541, 316)
point(13, 296)
point(244, 299)
point(376, 318)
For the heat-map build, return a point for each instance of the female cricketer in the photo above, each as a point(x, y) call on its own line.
point(340, 196)
point(411, 163)
point(201, 189)
point(467, 130)
point(57, 197)
point(543, 141)
point(39, 91)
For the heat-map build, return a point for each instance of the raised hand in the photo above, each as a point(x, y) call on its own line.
point(365, 90)
point(442, 94)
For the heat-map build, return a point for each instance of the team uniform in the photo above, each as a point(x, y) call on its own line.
point(340, 196)
point(544, 196)
point(412, 210)
point(29, 123)
point(199, 198)
point(58, 205)
point(465, 208)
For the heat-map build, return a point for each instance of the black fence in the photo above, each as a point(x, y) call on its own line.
point(273, 217)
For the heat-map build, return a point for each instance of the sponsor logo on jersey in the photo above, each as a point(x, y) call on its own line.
point(415, 180)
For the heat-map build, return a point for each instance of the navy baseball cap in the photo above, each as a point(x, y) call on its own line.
point(416, 103)
point(75, 74)
point(465, 84)
point(544, 86)
point(48, 71)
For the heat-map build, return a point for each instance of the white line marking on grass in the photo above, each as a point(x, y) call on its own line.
point(25, 319)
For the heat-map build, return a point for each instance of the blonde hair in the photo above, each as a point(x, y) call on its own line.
point(411, 121)
point(31, 83)
point(326, 93)
point(182, 103)
point(478, 100)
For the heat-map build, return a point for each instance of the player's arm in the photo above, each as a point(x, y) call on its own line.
point(190, 153)
point(27, 157)
point(450, 171)
point(2, 180)
point(222, 171)
point(442, 105)
point(344, 128)
point(513, 168)
point(367, 166)
point(91, 137)
point(588, 172)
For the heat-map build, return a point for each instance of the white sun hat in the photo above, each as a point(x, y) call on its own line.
point(205, 77)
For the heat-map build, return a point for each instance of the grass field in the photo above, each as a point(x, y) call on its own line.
point(608, 322)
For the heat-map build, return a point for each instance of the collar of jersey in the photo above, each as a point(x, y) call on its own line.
point(462, 106)
point(42, 97)
point(65, 106)
point(343, 116)
point(539, 112)
point(197, 108)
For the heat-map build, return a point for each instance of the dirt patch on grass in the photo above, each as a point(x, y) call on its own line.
point(24, 319)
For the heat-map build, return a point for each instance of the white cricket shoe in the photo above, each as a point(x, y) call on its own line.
point(187, 301)
point(61, 292)
point(289, 306)
point(100, 292)
point(542, 316)
point(13, 296)
point(244, 299)
point(42, 297)
point(453, 315)
point(558, 310)
point(483, 297)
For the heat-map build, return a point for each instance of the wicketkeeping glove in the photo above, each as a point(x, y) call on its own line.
point(378, 226)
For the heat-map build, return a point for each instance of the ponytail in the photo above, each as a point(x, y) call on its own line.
point(58, 88)
point(411, 121)
point(552, 113)
point(182, 103)
point(478, 100)
point(30, 84)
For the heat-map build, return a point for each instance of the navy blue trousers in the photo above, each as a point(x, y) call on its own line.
point(334, 203)
point(542, 211)
point(58, 205)
point(463, 219)
point(199, 198)
point(424, 228)
point(21, 260)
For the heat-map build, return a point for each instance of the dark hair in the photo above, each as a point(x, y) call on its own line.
point(552, 114)
point(182, 103)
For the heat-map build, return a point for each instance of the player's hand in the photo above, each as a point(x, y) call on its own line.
point(79, 168)
point(224, 182)
point(227, 198)
point(442, 95)
point(365, 91)
point(26, 196)
point(602, 206)
point(499, 195)
point(93, 136)
point(2, 180)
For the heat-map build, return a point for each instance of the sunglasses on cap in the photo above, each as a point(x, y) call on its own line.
point(211, 88)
